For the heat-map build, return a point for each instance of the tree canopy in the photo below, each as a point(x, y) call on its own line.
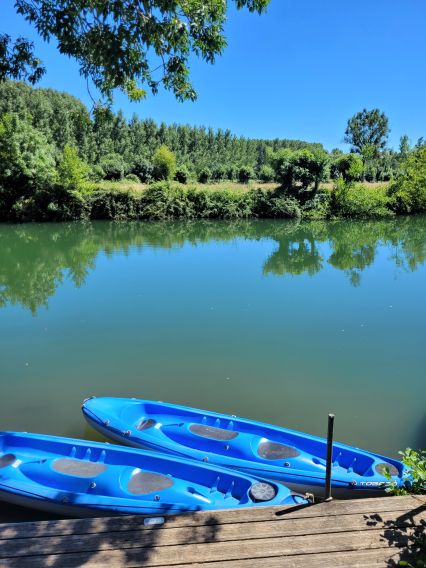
point(17, 60)
point(131, 45)
point(367, 131)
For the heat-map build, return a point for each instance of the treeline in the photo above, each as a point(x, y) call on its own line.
point(56, 162)
point(104, 138)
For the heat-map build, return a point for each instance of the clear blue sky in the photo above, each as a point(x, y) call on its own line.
point(298, 71)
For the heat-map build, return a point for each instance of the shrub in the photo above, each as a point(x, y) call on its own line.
point(166, 200)
point(65, 205)
point(266, 174)
point(113, 167)
point(144, 169)
point(204, 175)
point(408, 191)
point(96, 173)
point(350, 167)
point(182, 174)
point(273, 204)
point(357, 200)
point(133, 178)
point(319, 207)
point(245, 174)
point(222, 204)
point(115, 205)
point(164, 162)
point(219, 173)
point(231, 173)
point(415, 478)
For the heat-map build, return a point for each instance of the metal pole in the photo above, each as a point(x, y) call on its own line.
point(330, 430)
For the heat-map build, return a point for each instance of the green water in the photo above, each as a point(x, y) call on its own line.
point(273, 320)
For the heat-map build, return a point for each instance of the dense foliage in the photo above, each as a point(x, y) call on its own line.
point(408, 191)
point(108, 137)
point(60, 162)
point(125, 44)
point(17, 60)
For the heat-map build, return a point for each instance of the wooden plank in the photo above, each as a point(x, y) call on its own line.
point(207, 533)
point(380, 557)
point(129, 523)
point(216, 551)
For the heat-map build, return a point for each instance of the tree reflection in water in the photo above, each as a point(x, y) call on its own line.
point(36, 259)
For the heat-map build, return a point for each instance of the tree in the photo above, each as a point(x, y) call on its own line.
point(17, 60)
point(404, 146)
point(204, 175)
point(245, 174)
point(267, 173)
point(367, 128)
point(27, 167)
point(72, 171)
point(182, 174)
point(26, 158)
point(350, 167)
point(219, 173)
point(300, 171)
point(143, 169)
point(113, 167)
point(164, 163)
point(128, 44)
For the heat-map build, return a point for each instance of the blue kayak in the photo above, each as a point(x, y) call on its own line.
point(298, 460)
point(81, 478)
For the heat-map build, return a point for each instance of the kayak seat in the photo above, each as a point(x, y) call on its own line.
point(144, 482)
point(78, 468)
point(7, 459)
point(275, 451)
point(384, 468)
point(212, 432)
point(145, 424)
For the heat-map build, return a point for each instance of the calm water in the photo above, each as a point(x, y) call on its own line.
point(273, 320)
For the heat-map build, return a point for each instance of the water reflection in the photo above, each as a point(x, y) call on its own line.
point(36, 259)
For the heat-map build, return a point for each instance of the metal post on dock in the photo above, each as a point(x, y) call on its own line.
point(329, 464)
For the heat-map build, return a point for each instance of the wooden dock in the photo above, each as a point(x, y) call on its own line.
point(363, 532)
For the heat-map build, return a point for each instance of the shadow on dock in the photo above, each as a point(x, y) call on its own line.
point(361, 532)
point(406, 534)
point(59, 543)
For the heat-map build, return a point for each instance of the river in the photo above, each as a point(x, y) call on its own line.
point(278, 321)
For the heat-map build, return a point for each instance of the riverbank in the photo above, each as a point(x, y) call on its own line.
point(167, 200)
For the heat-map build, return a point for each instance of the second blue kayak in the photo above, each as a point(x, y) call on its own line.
point(81, 478)
point(293, 458)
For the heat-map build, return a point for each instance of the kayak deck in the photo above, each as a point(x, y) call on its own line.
point(362, 532)
point(53, 473)
point(253, 447)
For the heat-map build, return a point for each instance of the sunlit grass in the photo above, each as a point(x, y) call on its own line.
point(126, 185)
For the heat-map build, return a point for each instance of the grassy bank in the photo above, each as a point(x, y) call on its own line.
point(171, 200)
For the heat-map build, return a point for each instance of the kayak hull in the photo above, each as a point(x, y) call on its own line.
point(255, 448)
point(80, 478)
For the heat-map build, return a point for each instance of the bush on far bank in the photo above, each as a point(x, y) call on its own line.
point(408, 192)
